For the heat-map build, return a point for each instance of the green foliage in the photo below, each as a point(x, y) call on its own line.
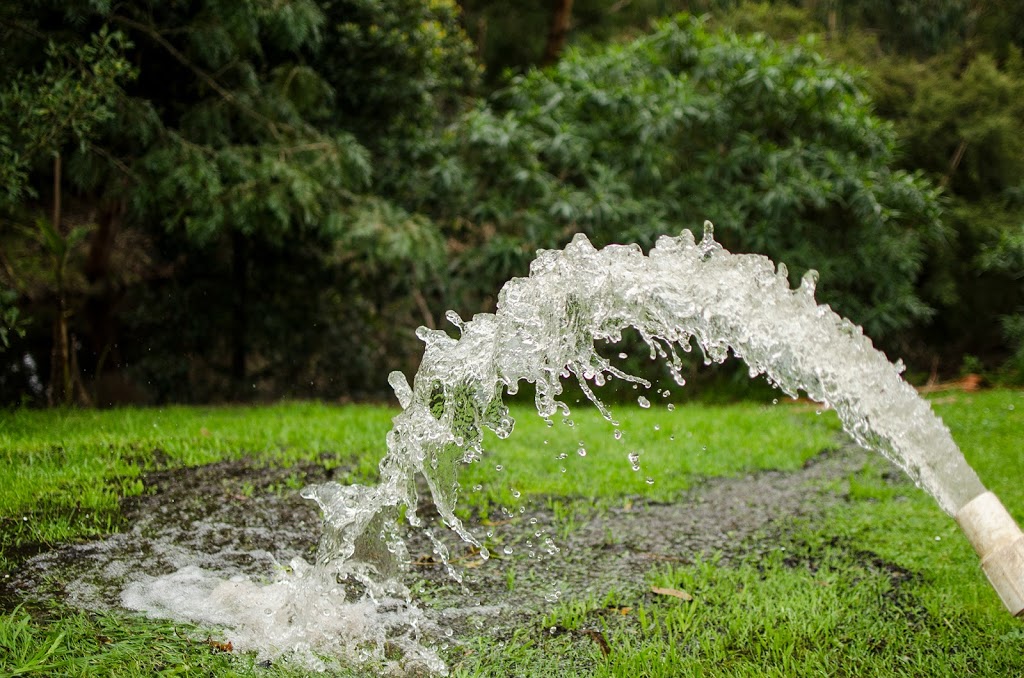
point(1013, 328)
point(11, 322)
point(285, 184)
point(959, 117)
point(268, 151)
point(773, 144)
point(978, 107)
point(65, 101)
point(399, 68)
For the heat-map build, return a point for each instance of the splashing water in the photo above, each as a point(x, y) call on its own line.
point(544, 330)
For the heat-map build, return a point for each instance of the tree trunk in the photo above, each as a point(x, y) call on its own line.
point(561, 18)
point(100, 306)
point(60, 363)
point(240, 270)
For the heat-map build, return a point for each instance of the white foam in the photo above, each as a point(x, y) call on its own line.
point(299, 617)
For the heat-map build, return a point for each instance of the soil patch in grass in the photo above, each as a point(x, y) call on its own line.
point(242, 518)
point(615, 548)
point(237, 517)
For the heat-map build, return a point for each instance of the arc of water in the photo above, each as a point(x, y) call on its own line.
point(546, 326)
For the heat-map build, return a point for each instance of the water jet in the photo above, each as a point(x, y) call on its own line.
point(682, 293)
point(545, 329)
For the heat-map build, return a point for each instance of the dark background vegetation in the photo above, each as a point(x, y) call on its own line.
point(215, 200)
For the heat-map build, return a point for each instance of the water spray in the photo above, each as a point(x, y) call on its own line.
point(546, 327)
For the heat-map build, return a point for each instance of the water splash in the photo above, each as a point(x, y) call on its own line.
point(545, 329)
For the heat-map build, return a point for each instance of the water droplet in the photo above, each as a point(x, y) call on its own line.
point(643, 402)
point(672, 437)
point(477, 488)
point(623, 356)
point(666, 393)
point(703, 448)
point(670, 407)
point(617, 434)
point(582, 451)
point(508, 550)
point(657, 427)
point(554, 629)
point(649, 481)
point(775, 401)
point(808, 282)
point(516, 493)
point(563, 469)
point(499, 467)
point(448, 632)
point(563, 455)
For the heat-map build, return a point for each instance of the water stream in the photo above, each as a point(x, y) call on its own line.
point(684, 293)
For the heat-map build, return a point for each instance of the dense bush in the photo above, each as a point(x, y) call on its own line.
point(777, 147)
point(224, 199)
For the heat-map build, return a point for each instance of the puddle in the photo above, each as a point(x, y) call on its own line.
point(238, 519)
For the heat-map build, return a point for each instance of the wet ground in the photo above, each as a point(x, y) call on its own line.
point(238, 517)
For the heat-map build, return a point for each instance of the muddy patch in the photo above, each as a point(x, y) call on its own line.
point(234, 517)
point(615, 548)
point(241, 518)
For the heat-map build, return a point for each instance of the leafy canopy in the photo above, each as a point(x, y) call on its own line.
point(776, 146)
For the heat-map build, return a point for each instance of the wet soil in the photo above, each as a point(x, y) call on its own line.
point(615, 548)
point(241, 517)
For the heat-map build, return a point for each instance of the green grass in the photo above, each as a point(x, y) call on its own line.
point(675, 447)
point(811, 610)
point(885, 585)
point(64, 472)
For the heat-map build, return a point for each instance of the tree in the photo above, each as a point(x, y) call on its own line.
point(773, 144)
point(239, 154)
point(43, 113)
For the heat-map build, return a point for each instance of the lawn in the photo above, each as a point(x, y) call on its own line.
point(881, 583)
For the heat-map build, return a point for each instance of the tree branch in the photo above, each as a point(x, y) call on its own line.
point(954, 163)
point(116, 162)
point(225, 94)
